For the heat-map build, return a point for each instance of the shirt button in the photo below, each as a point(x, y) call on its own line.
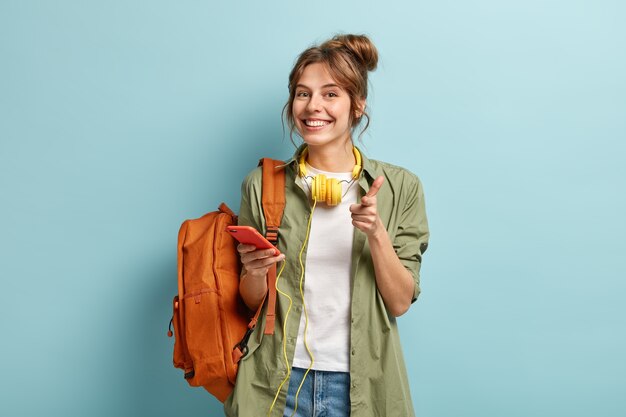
point(353, 352)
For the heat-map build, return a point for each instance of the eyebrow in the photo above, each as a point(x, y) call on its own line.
point(324, 86)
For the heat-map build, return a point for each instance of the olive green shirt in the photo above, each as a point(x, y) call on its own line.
point(378, 380)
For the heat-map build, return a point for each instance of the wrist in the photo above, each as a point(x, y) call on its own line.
point(251, 275)
point(379, 231)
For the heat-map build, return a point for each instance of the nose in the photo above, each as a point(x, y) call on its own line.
point(314, 103)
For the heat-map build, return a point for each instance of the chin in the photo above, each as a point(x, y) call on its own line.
point(313, 141)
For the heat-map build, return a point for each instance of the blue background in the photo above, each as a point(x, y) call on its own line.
point(120, 119)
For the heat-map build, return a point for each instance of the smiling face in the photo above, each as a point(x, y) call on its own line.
point(321, 108)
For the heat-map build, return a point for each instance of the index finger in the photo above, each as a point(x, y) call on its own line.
point(378, 182)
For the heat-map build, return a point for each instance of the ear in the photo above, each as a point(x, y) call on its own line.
point(358, 112)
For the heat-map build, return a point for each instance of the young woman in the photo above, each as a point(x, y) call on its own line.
point(351, 251)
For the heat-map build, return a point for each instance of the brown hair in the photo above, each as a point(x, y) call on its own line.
point(347, 58)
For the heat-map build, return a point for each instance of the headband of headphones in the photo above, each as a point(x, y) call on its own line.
point(356, 171)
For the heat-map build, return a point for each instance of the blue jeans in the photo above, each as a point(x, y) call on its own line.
point(323, 394)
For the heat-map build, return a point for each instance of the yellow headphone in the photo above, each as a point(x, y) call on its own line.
point(328, 189)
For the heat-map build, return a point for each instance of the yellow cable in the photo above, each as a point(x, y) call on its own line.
point(306, 315)
point(306, 324)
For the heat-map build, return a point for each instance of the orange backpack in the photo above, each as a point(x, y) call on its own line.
point(211, 322)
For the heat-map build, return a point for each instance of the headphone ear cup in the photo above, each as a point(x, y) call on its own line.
point(326, 190)
point(318, 187)
point(323, 190)
point(329, 192)
point(333, 196)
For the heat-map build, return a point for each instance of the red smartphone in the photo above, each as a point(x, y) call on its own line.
point(250, 236)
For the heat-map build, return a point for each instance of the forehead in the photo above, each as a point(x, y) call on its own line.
point(316, 75)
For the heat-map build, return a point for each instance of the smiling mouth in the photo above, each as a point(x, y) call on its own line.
point(316, 123)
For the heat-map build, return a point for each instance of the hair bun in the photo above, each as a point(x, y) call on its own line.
point(361, 47)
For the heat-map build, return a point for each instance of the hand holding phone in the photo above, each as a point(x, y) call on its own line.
point(250, 236)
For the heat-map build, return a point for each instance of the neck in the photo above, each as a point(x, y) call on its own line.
point(332, 157)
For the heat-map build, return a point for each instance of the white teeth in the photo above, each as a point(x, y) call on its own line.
point(316, 122)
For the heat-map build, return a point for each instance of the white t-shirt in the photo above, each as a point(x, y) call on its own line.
point(327, 280)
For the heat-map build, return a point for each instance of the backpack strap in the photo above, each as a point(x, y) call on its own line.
point(273, 200)
point(270, 317)
point(273, 196)
point(241, 348)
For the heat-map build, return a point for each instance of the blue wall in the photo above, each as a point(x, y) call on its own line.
point(120, 119)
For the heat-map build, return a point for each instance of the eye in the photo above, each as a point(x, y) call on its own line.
point(332, 94)
point(302, 94)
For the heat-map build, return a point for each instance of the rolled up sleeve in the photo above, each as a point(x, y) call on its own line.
point(411, 240)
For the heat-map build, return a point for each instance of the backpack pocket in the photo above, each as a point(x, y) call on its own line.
point(205, 342)
point(181, 356)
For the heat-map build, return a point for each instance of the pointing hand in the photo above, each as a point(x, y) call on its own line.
point(365, 215)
